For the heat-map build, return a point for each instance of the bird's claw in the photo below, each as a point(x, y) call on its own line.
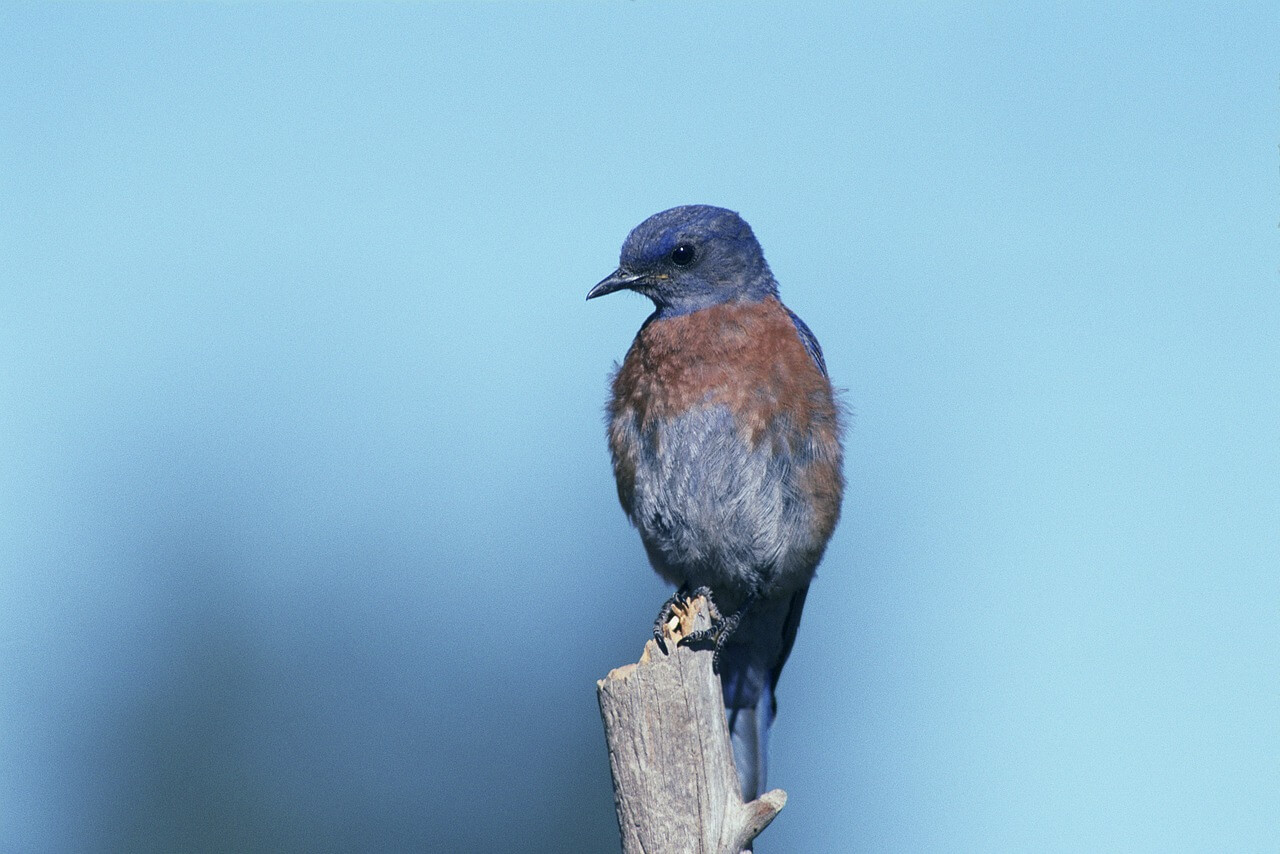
point(721, 629)
point(719, 633)
point(660, 624)
point(679, 601)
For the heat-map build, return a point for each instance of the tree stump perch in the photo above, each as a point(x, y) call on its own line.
point(674, 783)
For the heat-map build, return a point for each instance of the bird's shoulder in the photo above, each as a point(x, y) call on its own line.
point(809, 340)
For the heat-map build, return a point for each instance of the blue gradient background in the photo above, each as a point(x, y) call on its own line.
point(308, 537)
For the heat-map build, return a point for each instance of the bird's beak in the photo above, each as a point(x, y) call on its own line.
point(616, 281)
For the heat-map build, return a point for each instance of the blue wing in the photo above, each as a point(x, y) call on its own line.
point(809, 341)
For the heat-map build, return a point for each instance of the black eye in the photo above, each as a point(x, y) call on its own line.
point(682, 255)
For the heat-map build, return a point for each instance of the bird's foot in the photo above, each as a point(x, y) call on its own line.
point(663, 626)
point(722, 628)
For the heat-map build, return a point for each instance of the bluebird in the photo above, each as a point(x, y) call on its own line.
point(726, 443)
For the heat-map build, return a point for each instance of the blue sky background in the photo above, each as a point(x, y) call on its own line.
point(308, 537)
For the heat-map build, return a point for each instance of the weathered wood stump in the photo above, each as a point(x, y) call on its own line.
point(673, 777)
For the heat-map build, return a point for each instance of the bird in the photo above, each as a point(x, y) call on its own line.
point(726, 440)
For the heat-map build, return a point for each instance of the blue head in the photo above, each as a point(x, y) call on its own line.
point(689, 258)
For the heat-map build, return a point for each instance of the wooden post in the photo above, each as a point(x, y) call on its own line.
point(674, 783)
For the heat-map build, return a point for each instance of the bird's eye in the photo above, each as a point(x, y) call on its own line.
point(682, 255)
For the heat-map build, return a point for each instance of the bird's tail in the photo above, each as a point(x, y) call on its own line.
point(749, 732)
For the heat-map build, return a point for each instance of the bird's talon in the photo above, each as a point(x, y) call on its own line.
point(700, 636)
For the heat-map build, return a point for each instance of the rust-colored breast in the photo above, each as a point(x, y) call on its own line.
point(747, 356)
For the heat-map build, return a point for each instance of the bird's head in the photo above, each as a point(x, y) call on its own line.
point(689, 258)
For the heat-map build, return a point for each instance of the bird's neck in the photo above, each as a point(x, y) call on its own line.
point(688, 303)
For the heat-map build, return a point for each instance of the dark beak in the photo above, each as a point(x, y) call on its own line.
point(616, 281)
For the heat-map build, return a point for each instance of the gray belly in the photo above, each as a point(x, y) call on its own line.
point(714, 510)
